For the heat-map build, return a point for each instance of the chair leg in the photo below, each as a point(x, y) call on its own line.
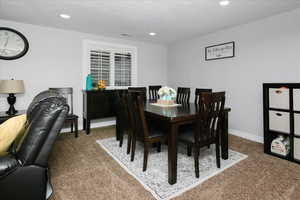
point(196, 158)
point(121, 139)
point(129, 140)
point(146, 152)
point(72, 126)
point(158, 146)
point(133, 148)
point(76, 128)
point(218, 159)
point(189, 150)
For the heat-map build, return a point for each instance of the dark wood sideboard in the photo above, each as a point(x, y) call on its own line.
point(99, 104)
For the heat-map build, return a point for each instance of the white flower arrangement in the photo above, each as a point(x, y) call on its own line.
point(167, 93)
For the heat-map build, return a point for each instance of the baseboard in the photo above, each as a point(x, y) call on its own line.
point(99, 124)
point(246, 135)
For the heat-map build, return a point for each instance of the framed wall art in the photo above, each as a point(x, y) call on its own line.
point(220, 51)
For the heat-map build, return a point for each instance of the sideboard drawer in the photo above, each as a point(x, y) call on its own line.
point(296, 97)
point(279, 121)
point(297, 148)
point(279, 98)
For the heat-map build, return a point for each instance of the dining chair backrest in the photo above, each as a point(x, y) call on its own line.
point(142, 126)
point(123, 112)
point(134, 122)
point(183, 95)
point(141, 90)
point(67, 93)
point(211, 112)
point(198, 93)
point(153, 92)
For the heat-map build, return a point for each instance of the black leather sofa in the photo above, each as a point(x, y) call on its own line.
point(24, 173)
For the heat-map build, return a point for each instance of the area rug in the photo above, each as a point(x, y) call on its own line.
point(155, 179)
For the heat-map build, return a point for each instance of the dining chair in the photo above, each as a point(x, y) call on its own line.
point(153, 92)
point(124, 121)
point(183, 95)
point(147, 133)
point(67, 93)
point(141, 90)
point(198, 93)
point(207, 129)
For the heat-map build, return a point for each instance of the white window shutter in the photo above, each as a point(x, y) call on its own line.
point(100, 66)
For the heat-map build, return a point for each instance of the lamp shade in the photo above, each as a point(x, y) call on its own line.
point(11, 86)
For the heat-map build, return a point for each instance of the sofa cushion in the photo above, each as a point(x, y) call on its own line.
point(10, 130)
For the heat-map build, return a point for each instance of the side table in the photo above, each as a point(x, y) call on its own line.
point(4, 116)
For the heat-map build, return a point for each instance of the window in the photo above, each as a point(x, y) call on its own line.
point(122, 69)
point(100, 66)
point(115, 64)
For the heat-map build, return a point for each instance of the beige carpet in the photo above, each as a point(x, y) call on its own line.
point(81, 170)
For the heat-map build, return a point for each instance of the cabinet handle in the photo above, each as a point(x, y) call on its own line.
point(278, 91)
point(279, 114)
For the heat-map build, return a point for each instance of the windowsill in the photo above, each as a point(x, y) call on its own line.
point(117, 87)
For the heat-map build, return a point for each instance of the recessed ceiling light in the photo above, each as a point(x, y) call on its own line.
point(152, 34)
point(65, 16)
point(224, 3)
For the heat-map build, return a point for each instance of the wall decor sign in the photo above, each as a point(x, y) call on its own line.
point(220, 51)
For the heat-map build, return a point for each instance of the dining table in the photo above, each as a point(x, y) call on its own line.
point(175, 116)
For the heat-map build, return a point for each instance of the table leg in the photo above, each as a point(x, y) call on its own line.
point(87, 126)
point(84, 123)
point(172, 154)
point(72, 126)
point(224, 137)
point(76, 127)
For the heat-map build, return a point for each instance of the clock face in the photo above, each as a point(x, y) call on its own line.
point(13, 44)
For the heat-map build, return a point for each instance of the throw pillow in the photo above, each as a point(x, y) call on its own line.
point(10, 130)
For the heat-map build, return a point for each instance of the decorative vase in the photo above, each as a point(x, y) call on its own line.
point(89, 82)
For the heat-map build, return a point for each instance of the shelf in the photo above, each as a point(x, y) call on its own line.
point(288, 106)
point(280, 156)
point(279, 109)
point(280, 133)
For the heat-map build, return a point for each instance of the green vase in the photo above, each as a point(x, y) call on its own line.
point(89, 82)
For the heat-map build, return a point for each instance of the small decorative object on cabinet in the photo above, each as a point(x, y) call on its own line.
point(89, 82)
point(281, 145)
point(166, 96)
point(282, 120)
point(101, 84)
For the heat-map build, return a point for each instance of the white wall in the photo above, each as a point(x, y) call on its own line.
point(55, 60)
point(266, 51)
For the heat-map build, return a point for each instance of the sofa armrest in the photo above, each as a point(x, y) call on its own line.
point(8, 163)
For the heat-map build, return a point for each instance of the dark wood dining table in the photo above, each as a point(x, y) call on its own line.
point(173, 117)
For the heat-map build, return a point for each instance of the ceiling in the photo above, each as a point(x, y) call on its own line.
point(172, 20)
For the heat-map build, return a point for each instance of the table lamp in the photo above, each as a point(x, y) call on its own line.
point(11, 87)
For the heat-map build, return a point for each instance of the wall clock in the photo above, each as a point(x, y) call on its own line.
point(13, 44)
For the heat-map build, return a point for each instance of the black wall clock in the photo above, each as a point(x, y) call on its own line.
point(13, 44)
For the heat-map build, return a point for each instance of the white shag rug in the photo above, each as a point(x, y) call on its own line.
point(155, 179)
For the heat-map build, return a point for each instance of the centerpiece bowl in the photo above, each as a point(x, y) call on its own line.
point(166, 96)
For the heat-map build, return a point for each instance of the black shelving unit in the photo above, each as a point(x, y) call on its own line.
point(288, 97)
